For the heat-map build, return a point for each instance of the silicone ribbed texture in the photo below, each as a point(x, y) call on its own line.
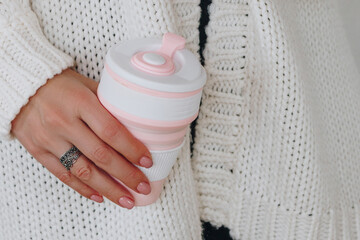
point(147, 106)
point(162, 163)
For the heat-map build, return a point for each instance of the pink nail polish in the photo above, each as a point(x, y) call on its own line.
point(97, 198)
point(144, 188)
point(126, 202)
point(146, 162)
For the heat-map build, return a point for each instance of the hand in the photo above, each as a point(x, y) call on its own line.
point(65, 112)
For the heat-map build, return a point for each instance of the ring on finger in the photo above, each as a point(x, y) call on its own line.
point(70, 157)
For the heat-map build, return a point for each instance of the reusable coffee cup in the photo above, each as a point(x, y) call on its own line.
point(153, 86)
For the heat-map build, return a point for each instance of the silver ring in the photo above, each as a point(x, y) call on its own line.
point(70, 157)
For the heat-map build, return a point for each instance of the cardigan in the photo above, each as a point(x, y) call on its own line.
point(276, 146)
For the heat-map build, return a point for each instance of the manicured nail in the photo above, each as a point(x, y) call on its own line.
point(146, 162)
point(97, 198)
point(144, 188)
point(126, 202)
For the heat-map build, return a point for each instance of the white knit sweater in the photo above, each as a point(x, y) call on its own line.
point(276, 151)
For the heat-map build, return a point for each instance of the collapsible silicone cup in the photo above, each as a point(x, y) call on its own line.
point(153, 87)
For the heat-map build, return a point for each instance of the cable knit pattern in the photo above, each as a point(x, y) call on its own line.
point(276, 150)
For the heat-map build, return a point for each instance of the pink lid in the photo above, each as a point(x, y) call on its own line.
point(160, 62)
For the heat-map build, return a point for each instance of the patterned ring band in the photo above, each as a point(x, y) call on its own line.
point(70, 157)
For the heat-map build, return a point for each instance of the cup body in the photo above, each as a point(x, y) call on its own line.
point(153, 86)
point(158, 119)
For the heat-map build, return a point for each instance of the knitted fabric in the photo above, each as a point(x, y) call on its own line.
point(34, 203)
point(27, 60)
point(276, 153)
point(276, 150)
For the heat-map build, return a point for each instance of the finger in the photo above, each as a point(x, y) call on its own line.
point(111, 131)
point(89, 83)
point(92, 176)
point(53, 164)
point(107, 158)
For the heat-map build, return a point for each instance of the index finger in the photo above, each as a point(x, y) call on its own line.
point(115, 134)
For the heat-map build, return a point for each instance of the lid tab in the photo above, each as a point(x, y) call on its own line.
point(171, 43)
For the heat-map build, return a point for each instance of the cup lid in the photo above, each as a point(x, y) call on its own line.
point(158, 64)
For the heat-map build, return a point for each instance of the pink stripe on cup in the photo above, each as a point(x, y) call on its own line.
point(155, 141)
point(148, 91)
point(155, 134)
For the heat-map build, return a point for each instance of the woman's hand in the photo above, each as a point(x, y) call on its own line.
point(65, 112)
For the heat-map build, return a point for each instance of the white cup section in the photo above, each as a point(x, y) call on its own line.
point(163, 162)
point(147, 106)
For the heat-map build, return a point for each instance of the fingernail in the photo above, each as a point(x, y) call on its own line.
point(146, 162)
point(126, 202)
point(144, 188)
point(97, 198)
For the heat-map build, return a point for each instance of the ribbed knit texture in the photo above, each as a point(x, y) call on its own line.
point(27, 60)
point(276, 152)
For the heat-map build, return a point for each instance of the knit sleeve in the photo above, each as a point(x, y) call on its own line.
point(27, 60)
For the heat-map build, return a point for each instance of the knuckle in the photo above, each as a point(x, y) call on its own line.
point(84, 172)
point(65, 177)
point(54, 119)
point(82, 100)
point(41, 138)
point(83, 97)
point(101, 154)
point(132, 175)
point(111, 130)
